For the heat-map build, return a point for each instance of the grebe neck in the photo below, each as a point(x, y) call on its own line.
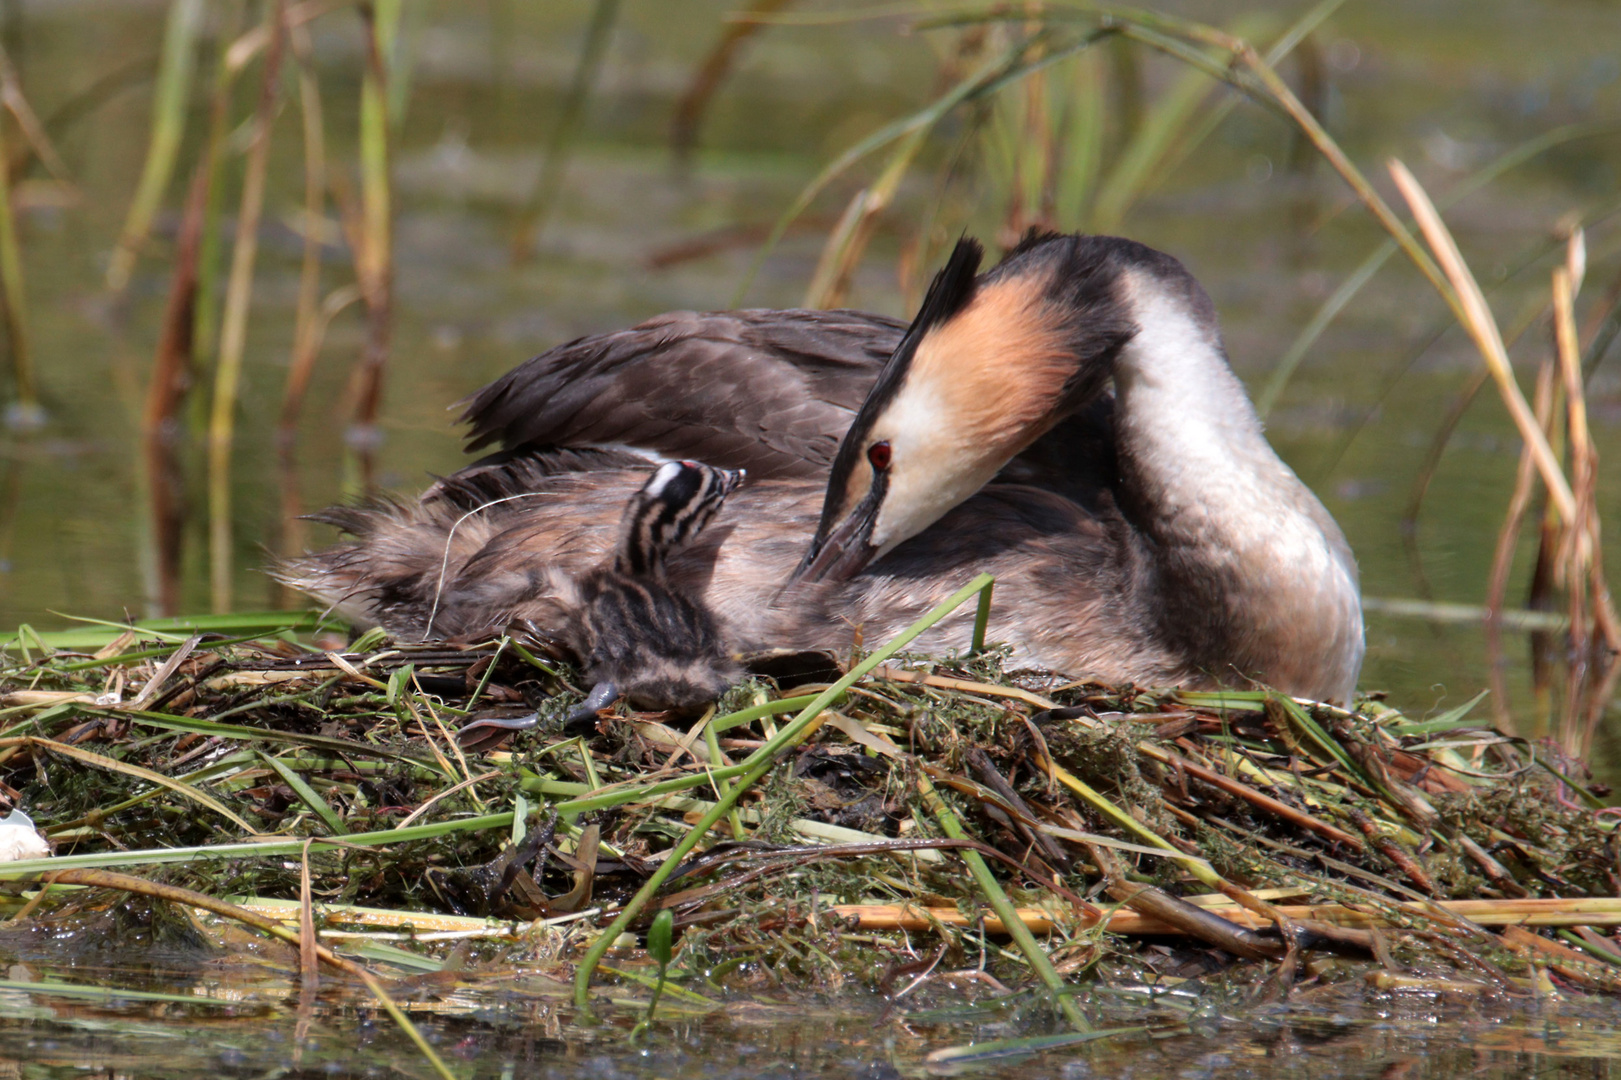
point(1250, 564)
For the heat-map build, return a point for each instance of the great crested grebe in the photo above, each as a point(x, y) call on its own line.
point(1148, 535)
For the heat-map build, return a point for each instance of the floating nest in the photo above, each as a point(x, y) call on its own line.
point(902, 823)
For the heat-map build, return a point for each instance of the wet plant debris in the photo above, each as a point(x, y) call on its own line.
point(420, 797)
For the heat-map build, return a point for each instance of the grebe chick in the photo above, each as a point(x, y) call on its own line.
point(636, 634)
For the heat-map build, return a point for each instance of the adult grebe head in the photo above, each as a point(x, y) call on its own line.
point(989, 365)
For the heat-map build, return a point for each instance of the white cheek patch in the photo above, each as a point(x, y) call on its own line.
point(933, 467)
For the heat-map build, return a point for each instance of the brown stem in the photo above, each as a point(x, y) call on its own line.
point(1508, 535)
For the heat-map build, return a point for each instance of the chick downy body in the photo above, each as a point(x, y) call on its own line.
point(638, 635)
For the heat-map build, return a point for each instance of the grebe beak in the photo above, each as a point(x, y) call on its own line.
point(841, 551)
point(884, 453)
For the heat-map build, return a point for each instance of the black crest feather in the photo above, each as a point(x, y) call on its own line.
point(951, 288)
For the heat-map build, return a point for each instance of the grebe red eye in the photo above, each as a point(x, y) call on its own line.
point(878, 455)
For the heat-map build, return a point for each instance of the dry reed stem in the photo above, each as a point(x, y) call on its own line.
point(1041, 920)
point(33, 132)
point(1594, 636)
point(694, 101)
point(1508, 535)
point(308, 941)
point(1476, 316)
point(1577, 549)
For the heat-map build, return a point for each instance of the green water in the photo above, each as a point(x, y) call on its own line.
point(1444, 86)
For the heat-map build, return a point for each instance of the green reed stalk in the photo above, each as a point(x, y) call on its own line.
point(26, 412)
point(923, 119)
point(374, 256)
point(1137, 164)
point(998, 899)
point(1286, 365)
point(309, 325)
point(205, 332)
point(755, 767)
point(185, 24)
point(844, 248)
point(160, 479)
point(309, 277)
point(234, 327)
point(1188, 140)
point(1085, 123)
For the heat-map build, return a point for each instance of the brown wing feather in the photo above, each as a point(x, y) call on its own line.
point(767, 391)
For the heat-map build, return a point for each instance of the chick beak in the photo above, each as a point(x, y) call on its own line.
point(843, 551)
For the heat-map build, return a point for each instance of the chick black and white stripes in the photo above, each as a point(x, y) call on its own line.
point(670, 510)
point(638, 635)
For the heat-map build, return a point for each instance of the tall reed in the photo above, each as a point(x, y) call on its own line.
point(532, 221)
point(234, 324)
point(309, 322)
point(1570, 557)
point(184, 27)
point(25, 412)
point(374, 242)
point(162, 477)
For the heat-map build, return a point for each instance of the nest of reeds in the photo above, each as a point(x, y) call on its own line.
point(811, 833)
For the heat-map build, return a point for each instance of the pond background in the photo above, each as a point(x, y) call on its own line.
point(1444, 86)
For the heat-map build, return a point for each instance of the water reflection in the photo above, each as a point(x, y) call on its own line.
point(245, 1020)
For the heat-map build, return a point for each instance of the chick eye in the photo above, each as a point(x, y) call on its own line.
point(878, 456)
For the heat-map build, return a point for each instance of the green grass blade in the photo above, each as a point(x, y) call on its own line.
point(1020, 933)
point(1008, 1051)
point(24, 868)
point(340, 747)
point(1086, 121)
point(1452, 718)
point(755, 712)
point(26, 412)
point(1136, 165)
point(982, 620)
point(309, 795)
point(532, 222)
point(1284, 369)
point(175, 629)
point(107, 994)
point(234, 326)
point(924, 118)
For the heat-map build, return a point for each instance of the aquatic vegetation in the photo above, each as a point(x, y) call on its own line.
point(809, 835)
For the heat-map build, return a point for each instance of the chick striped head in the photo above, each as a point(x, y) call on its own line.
point(669, 511)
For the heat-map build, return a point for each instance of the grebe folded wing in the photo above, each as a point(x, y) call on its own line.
point(767, 391)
